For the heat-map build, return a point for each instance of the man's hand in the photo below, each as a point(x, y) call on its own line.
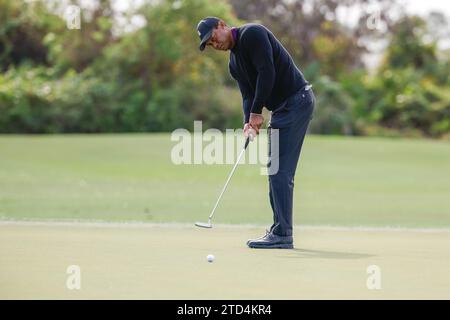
point(256, 120)
point(249, 132)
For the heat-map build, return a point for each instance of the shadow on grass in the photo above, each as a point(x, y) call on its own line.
point(305, 254)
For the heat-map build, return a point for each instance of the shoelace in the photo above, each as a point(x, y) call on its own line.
point(267, 233)
point(264, 236)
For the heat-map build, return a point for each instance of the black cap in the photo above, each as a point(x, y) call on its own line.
point(205, 29)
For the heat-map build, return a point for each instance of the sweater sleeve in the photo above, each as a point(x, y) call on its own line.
point(260, 51)
point(247, 97)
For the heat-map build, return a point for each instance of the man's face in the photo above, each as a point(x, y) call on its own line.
point(220, 39)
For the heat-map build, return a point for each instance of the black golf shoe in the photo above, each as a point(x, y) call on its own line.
point(262, 237)
point(271, 241)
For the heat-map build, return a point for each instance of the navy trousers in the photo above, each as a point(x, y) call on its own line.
point(291, 119)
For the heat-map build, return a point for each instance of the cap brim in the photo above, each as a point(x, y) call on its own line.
point(205, 40)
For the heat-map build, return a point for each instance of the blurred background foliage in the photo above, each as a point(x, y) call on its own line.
point(140, 70)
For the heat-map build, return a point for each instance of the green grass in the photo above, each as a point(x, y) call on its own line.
point(169, 262)
point(340, 181)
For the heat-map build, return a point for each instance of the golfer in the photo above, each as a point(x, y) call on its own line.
point(267, 77)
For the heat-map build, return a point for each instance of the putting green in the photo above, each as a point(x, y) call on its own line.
point(145, 261)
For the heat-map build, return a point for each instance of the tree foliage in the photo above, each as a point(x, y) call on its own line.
point(115, 76)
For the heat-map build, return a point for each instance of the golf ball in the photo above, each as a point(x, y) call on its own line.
point(210, 258)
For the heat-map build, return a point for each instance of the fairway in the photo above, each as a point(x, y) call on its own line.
point(344, 181)
point(144, 261)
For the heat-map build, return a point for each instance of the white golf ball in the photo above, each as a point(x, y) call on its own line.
point(210, 258)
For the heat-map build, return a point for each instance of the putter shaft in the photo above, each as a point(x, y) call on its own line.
point(229, 178)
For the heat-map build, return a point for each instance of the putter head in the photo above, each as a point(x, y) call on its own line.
point(204, 224)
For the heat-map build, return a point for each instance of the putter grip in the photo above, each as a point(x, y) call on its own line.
point(247, 141)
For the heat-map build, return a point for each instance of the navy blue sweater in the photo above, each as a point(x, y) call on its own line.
point(263, 69)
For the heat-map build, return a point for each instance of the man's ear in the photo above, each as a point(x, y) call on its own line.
point(221, 24)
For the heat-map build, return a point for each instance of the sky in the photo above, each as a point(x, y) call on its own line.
point(421, 6)
point(350, 15)
point(413, 6)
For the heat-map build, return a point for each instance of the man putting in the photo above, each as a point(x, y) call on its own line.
point(267, 77)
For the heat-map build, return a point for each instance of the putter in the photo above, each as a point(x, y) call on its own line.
point(209, 224)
